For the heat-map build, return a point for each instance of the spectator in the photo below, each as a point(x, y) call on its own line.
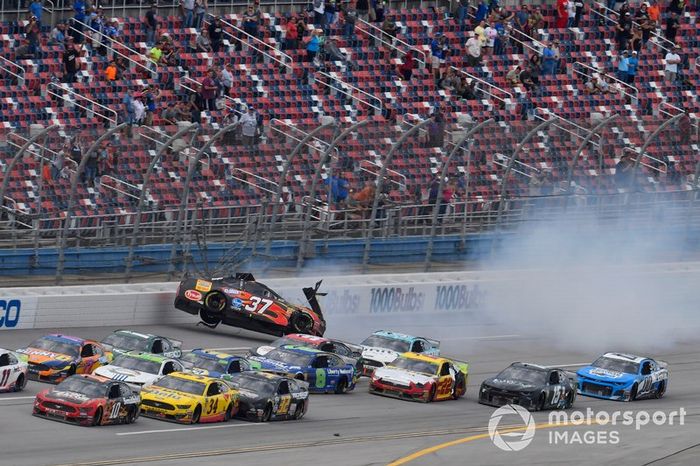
point(378, 6)
point(291, 34)
point(480, 31)
point(90, 172)
point(436, 130)
point(462, 11)
point(209, 91)
point(623, 67)
point(439, 50)
point(672, 25)
point(170, 54)
point(251, 20)
point(535, 68)
point(331, 14)
point(407, 66)
point(203, 43)
point(200, 11)
point(156, 53)
point(632, 64)
point(319, 9)
point(313, 46)
point(230, 119)
point(59, 161)
point(365, 197)
point(187, 9)
point(36, 10)
point(562, 14)
point(226, 79)
point(111, 71)
point(249, 126)
point(473, 49)
point(139, 109)
point(216, 34)
point(570, 13)
point(389, 30)
point(481, 11)
point(339, 186)
point(105, 161)
point(33, 31)
point(536, 21)
point(490, 33)
point(528, 79)
point(58, 35)
point(623, 30)
point(301, 28)
point(129, 110)
point(654, 12)
point(513, 76)
point(71, 66)
point(466, 89)
point(362, 7)
point(624, 172)
point(642, 18)
point(636, 41)
point(672, 60)
point(76, 152)
point(578, 12)
point(171, 113)
point(151, 25)
point(79, 17)
point(150, 95)
point(677, 7)
point(550, 59)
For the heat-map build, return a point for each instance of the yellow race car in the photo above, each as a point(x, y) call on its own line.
point(189, 399)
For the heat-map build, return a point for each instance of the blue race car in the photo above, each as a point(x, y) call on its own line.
point(215, 364)
point(623, 377)
point(325, 372)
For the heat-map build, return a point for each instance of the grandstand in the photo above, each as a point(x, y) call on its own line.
point(557, 138)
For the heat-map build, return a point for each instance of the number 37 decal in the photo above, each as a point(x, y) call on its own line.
point(258, 305)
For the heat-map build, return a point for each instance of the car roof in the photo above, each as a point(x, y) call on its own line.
point(299, 349)
point(395, 335)
point(307, 338)
point(148, 356)
point(67, 339)
point(256, 374)
point(143, 336)
point(625, 357)
point(192, 377)
point(216, 355)
point(528, 365)
point(96, 378)
point(424, 357)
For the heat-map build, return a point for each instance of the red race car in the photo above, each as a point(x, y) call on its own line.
point(243, 302)
point(89, 400)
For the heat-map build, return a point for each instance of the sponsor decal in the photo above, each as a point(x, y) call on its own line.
point(9, 312)
point(237, 303)
point(231, 291)
point(606, 373)
point(458, 297)
point(345, 303)
point(203, 286)
point(193, 295)
point(396, 299)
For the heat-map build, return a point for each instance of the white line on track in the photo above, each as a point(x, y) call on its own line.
point(184, 429)
point(17, 398)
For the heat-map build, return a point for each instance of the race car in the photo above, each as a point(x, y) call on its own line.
point(88, 400)
point(189, 399)
point(243, 302)
point(13, 372)
point(623, 377)
point(215, 364)
point(123, 341)
point(325, 372)
point(54, 357)
point(384, 346)
point(270, 397)
point(139, 369)
point(420, 377)
point(347, 351)
point(530, 386)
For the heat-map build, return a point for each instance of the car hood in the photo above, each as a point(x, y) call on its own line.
point(206, 372)
point(165, 395)
point(379, 354)
point(66, 396)
point(511, 385)
point(402, 376)
point(271, 364)
point(605, 375)
point(263, 350)
point(40, 356)
point(127, 375)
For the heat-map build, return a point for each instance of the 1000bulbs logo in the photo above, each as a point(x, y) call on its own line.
point(512, 440)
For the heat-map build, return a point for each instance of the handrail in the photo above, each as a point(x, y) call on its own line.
point(287, 61)
point(14, 208)
point(151, 68)
point(149, 128)
point(53, 7)
point(21, 68)
point(636, 153)
point(523, 43)
point(497, 157)
point(61, 87)
point(596, 70)
point(402, 42)
point(616, 13)
point(393, 172)
point(289, 125)
point(582, 128)
point(114, 188)
point(227, 98)
point(250, 183)
point(696, 125)
point(492, 86)
point(534, 41)
point(349, 94)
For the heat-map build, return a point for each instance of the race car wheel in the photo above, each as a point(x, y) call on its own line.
point(215, 302)
point(633, 392)
point(267, 413)
point(130, 416)
point(71, 370)
point(459, 387)
point(228, 413)
point(431, 394)
point(299, 411)
point(570, 400)
point(540, 403)
point(97, 418)
point(302, 322)
point(661, 390)
point(209, 318)
point(196, 415)
point(342, 386)
point(20, 384)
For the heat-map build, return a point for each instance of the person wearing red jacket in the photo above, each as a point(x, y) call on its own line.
point(562, 13)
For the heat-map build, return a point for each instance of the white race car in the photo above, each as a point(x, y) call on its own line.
point(138, 369)
point(383, 347)
point(13, 372)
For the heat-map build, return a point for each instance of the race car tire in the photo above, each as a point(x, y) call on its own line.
point(540, 403)
point(71, 370)
point(21, 383)
point(228, 413)
point(300, 376)
point(196, 415)
point(215, 302)
point(661, 390)
point(342, 386)
point(431, 394)
point(267, 413)
point(130, 416)
point(569, 400)
point(299, 411)
point(633, 392)
point(97, 418)
point(459, 386)
point(209, 318)
point(301, 322)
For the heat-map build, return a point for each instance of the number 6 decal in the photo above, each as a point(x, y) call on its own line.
point(258, 305)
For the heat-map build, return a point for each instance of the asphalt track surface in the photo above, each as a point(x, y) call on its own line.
point(359, 428)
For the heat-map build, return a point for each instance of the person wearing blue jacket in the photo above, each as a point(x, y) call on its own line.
point(632, 64)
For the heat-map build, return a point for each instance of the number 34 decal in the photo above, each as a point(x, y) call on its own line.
point(258, 305)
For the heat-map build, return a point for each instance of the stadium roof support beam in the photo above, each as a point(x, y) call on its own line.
point(144, 189)
point(194, 160)
point(582, 146)
point(441, 187)
point(380, 184)
point(511, 162)
point(314, 183)
point(283, 177)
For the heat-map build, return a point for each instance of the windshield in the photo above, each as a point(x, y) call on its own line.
point(181, 385)
point(628, 367)
point(201, 362)
point(286, 341)
point(137, 364)
point(387, 343)
point(253, 384)
point(289, 357)
point(416, 366)
point(87, 387)
point(524, 374)
point(127, 342)
point(62, 347)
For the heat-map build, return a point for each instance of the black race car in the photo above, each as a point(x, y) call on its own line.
point(264, 396)
point(243, 302)
point(530, 386)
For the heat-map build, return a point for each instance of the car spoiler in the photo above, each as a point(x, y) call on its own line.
point(662, 364)
point(176, 343)
point(463, 366)
point(311, 294)
point(435, 343)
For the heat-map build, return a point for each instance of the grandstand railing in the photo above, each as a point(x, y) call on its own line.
point(342, 87)
point(633, 92)
point(661, 163)
point(583, 129)
point(380, 36)
point(374, 169)
point(261, 179)
point(523, 43)
point(659, 38)
point(693, 121)
point(6, 63)
point(525, 36)
point(491, 89)
point(64, 87)
point(518, 167)
point(276, 121)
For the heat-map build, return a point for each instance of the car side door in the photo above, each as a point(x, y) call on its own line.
point(214, 403)
point(169, 350)
point(318, 376)
point(282, 400)
point(446, 381)
point(647, 370)
point(89, 357)
point(6, 370)
point(555, 390)
point(115, 402)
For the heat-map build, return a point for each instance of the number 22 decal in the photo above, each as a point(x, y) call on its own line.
point(258, 305)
